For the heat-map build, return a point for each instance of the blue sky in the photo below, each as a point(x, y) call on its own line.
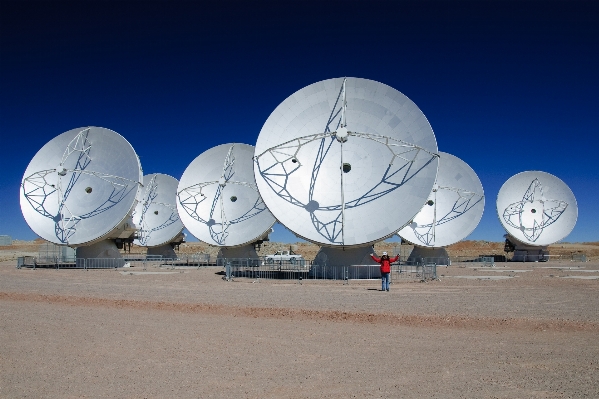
point(507, 86)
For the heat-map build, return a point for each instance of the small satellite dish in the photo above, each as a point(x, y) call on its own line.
point(453, 209)
point(156, 215)
point(218, 201)
point(536, 208)
point(345, 162)
point(81, 187)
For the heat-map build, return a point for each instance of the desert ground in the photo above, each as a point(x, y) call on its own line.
point(517, 330)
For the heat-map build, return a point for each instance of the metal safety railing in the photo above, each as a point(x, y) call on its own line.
point(535, 258)
point(239, 268)
point(128, 260)
point(422, 268)
point(441, 261)
point(422, 272)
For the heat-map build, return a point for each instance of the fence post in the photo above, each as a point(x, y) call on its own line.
point(228, 271)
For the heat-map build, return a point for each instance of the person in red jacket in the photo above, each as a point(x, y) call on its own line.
point(385, 262)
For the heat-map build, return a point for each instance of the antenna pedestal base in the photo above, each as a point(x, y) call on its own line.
point(424, 255)
point(356, 261)
point(166, 251)
point(527, 253)
point(105, 249)
point(241, 252)
point(531, 255)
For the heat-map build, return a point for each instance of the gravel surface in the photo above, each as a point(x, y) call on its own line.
point(190, 334)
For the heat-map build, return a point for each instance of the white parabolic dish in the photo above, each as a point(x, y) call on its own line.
point(80, 186)
point(345, 161)
point(156, 214)
point(536, 208)
point(217, 198)
point(453, 209)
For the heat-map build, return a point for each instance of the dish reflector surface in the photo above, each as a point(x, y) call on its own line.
point(156, 213)
point(80, 186)
point(453, 209)
point(536, 208)
point(345, 161)
point(217, 198)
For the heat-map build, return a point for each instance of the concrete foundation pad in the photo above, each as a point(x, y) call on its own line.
point(582, 271)
point(582, 277)
point(144, 273)
point(481, 277)
point(509, 271)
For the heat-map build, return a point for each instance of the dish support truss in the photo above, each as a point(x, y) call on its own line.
point(38, 191)
point(515, 215)
point(145, 231)
point(191, 197)
point(274, 167)
point(466, 200)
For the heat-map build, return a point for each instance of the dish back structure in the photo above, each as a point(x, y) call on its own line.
point(156, 213)
point(453, 209)
point(81, 187)
point(536, 208)
point(345, 162)
point(217, 198)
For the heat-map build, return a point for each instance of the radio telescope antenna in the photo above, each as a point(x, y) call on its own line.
point(536, 209)
point(156, 216)
point(80, 189)
point(345, 162)
point(218, 201)
point(453, 210)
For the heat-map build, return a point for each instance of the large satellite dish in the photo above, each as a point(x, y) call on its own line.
point(217, 198)
point(81, 187)
point(346, 161)
point(453, 209)
point(536, 208)
point(156, 213)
